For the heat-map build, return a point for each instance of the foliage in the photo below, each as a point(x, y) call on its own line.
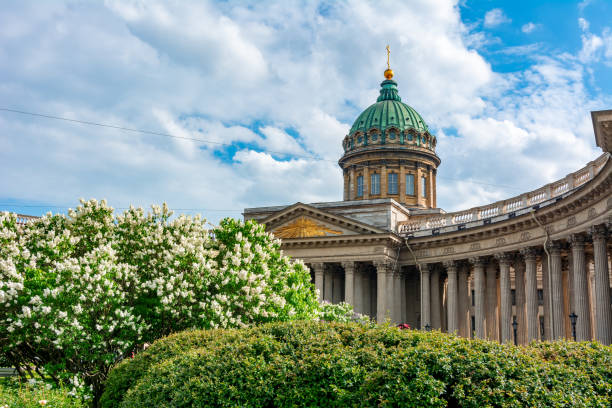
point(340, 312)
point(15, 394)
point(80, 292)
point(350, 364)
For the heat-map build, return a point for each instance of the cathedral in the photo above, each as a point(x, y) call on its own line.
point(532, 267)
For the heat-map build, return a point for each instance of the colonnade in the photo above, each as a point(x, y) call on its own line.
point(529, 294)
point(520, 296)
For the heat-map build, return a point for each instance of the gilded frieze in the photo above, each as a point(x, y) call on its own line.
point(304, 228)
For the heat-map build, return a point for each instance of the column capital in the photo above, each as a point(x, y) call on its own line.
point(529, 253)
point(599, 232)
point(478, 261)
point(577, 241)
point(317, 266)
point(348, 266)
point(451, 266)
point(504, 258)
point(425, 268)
point(385, 266)
point(554, 247)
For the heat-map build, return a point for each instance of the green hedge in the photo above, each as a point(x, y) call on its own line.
point(337, 365)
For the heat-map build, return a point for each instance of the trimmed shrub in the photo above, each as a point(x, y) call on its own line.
point(348, 364)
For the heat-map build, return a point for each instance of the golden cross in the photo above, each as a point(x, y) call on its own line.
point(388, 53)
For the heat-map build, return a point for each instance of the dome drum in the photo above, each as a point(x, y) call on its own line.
point(391, 136)
point(390, 153)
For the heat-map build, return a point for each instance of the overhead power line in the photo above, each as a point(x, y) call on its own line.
point(205, 141)
point(65, 207)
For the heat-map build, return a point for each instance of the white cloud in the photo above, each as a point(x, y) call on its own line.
point(495, 17)
point(529, 27)
point(275, 76)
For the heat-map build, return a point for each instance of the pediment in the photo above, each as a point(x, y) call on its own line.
point(305, 221)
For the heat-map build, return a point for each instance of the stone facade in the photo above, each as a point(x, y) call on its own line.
point(534, 259)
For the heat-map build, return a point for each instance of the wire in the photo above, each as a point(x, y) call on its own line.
point(150, 132)
point(116, 208)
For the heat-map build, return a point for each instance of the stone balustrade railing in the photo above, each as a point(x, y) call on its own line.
point(24, 219)
point(508, 206)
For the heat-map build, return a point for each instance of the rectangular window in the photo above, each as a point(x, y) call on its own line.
point(375, 183)
point(513, 294)
point(359, 186)
point(410, 184)
point(392, 183)
point(423, 186)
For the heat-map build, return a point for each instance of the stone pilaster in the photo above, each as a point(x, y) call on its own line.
point(452, 300)
point(556, 292)
point(463, 315)
point(519, 295)
point(425, 301)
point(436, 303)
point(479, 296)
point(580, 304)
point(491, 302)
point(531, 293)
point(349, 282)
point(603, 309)
point(318, 269)
point(367, 293)
point(505, 313)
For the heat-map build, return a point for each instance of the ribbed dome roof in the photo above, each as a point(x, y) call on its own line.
point(389, 111)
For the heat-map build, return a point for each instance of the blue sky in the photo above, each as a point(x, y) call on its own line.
point(507, 87)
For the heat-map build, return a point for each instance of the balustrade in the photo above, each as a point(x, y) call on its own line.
point(510, 205)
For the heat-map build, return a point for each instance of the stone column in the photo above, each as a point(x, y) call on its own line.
point(452, 301)
point(338, 290)
point(519, 296)
point(479, 296)
point(367, 292)
point(357, 289)
point(390, 302)
point(603, 311)
point(329, 284)
point(397, 297)
point(505, 306)
point(349, 285)
point(404, 316)
point(546, 292)
point(557, 317)
point(425, 302)
point(463, 315)
point(318, 269)
point(531, 293)
point(491, 302)
point(381, 290)
point(436, 303)
point(580, 304)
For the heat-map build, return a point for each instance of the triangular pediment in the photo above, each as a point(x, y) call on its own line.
point(305, 221)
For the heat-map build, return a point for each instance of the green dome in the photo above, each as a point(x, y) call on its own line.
point(389, 111)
